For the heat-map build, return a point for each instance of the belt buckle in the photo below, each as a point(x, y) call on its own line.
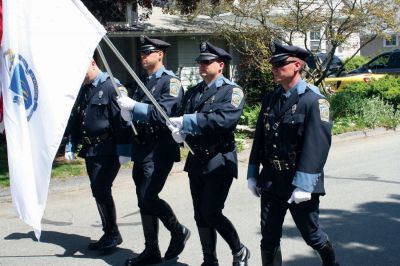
point(87, 140)
point(277, 165)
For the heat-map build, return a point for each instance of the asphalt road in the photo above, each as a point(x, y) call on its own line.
point(361, 214)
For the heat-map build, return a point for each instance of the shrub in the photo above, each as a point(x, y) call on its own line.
point(356, 62)
point(387, 88)
point(250, 115)
point(346, 103)
point(354, 110)
point(376, 112)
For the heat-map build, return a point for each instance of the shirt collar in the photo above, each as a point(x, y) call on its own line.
point(100, 78)
point(218, 82)
point(158, 73)
point(300, 87)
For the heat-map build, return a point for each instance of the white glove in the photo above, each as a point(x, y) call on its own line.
point(299, 195)
point(176, 134)
point(69, 156)
point(124, 159)
point(177, 122)
point(252, 185)
point(126, 115)
point(126, 103)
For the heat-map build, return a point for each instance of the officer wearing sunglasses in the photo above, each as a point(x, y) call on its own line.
point(291, 143)
point(154, 151)
point(211, 112)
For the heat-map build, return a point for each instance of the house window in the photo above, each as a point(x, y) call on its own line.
point(390, 41)
point(315, 39)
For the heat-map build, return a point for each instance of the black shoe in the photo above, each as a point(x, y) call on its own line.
point(215, 263)
point(150, 255)
point(328, 255)
point(106, 242)
point(177, 244)
point(241, 257)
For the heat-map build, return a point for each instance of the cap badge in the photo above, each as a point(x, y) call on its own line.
point(203, 47)
point(272, 47)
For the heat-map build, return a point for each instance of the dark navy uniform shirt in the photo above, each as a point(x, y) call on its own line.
point(211, 115)
point(154, 138)
point(96, 120)
point(298, 130)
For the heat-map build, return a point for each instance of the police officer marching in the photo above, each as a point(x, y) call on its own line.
point(154, 151)
point(96, 123)
point(212, 111)
point(291, 142)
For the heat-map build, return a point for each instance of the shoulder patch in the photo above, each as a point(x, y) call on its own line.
point(324, 109)
point(237, 96)
point(174, 87)
point(123, 90)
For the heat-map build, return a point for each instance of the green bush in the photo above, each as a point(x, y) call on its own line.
point(354, 63)
point(387, 88)
point(346, 103)
point(355, 109)
point(377, 112)
point(250, 115)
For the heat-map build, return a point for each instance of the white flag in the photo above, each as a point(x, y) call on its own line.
point(45, 52)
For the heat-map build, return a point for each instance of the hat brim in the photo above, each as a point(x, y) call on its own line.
point(206, 57)
point(148, 48)
point(279, 58)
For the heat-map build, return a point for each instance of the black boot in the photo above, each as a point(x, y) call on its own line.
point(271, 257)
point(151, 253)
point(208, 239)
point(328, 255)
point(179, 235)
point(111, 237)
point(241, 257)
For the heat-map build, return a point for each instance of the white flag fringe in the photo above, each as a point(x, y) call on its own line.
point(45, 52)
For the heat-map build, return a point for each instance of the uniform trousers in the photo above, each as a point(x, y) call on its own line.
point(102, 171)
point(305, 216)
point(209, 193)
point(149, 178)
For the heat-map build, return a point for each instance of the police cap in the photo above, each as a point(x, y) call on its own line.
point(148, 44)
point(209, 51)
point(281, 52)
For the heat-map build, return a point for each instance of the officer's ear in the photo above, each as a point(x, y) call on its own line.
point(221, 63)
point(161, 54)
point(299, 64)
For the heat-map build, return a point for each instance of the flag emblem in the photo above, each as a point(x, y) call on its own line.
point(23, 83)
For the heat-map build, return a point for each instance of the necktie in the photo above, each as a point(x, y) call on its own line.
point(201, 92)
point(282, 101)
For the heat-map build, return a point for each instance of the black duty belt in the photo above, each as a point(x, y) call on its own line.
point(95, 140)
point(151, 129)
point(282, 165)
point(214, 149)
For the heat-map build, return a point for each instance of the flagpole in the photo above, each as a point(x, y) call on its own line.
point(103, 58)
point(141, 85)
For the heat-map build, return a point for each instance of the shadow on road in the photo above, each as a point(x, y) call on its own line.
point(76, 247)
point(368, 236)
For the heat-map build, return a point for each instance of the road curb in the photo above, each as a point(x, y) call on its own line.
point(363, 134)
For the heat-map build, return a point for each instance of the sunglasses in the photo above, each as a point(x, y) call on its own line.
point(147, 52)
point(282, 63)
point(206, 62)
